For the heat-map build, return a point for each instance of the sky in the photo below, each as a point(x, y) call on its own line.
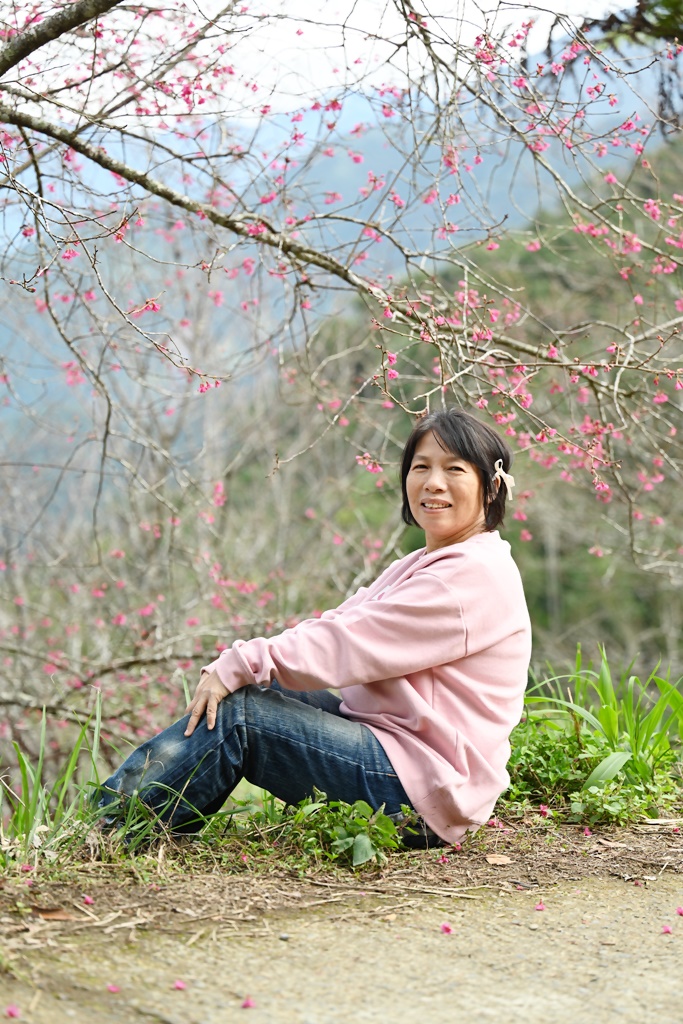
point(299, 48)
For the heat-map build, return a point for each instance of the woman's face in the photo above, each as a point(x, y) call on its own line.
point(445, 494)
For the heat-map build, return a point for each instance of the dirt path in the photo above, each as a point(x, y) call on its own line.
point(327, 950)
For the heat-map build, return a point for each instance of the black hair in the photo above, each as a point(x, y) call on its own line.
point(467, 437)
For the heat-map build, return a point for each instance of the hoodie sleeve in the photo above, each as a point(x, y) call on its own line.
point(413, 626)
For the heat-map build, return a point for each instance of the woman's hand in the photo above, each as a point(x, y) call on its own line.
point(206, 699)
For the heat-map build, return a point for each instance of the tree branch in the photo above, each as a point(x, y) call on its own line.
point(52, 28)
point(238, 224)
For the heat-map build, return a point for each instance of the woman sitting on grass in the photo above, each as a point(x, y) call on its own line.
point(431, 661)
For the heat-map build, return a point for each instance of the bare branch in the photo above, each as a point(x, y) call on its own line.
point(70, 17)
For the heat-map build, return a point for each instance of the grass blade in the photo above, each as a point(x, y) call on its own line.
point(607, 769)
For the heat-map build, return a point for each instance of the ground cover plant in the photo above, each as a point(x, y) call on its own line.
point(594, 748)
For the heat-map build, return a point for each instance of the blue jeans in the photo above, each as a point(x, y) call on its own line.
point(282, 740)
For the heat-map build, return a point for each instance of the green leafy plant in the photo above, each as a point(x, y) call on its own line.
point(603, 751)
point(320, 829)
point(635, 726)
point(549, 761)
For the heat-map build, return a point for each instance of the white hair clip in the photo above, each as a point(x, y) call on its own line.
point(507, 478)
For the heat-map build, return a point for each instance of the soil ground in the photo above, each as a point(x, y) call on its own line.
point(421, 940)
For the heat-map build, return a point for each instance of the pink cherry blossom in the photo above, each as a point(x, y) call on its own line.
point(369, 463)
point(248, 1003)
point(651, 208)
point(178, 984)
point(540, 905)
point(88, 900)
point(667, 929)
point(446, 928)
point(113, 988)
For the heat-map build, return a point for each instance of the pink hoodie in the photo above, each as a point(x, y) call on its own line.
point(433, 657)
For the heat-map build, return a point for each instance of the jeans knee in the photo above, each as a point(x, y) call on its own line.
point(147, 764)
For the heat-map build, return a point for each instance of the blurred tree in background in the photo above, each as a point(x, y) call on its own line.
point(644, 23)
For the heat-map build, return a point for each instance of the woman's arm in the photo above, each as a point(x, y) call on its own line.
point(211, 690)
point(415, 625)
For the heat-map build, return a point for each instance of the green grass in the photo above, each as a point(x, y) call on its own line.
point(36, 815)
point(600, 751)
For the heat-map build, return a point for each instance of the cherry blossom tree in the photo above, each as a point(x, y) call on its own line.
point(243, 248)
